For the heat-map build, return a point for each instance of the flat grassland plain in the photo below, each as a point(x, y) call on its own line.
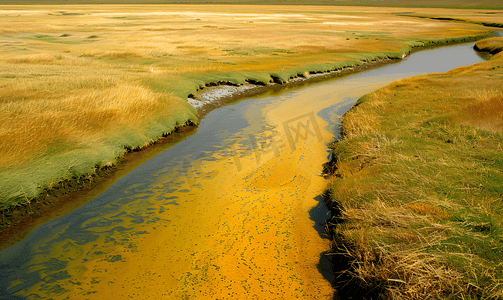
point(80, 85)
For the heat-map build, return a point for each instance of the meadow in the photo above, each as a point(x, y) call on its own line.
point(417, 189)
point(81, 85)
point(460, 4)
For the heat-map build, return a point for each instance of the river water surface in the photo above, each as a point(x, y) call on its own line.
point(232, 212)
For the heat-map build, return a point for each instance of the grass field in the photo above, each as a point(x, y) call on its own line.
point(79, 85)
point(460, 4)
point(418, 186)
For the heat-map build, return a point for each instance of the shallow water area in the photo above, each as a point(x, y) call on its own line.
point(229, 213)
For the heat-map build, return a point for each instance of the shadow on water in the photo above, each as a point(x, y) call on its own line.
point(319, 215)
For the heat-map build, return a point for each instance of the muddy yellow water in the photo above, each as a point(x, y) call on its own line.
point(240, 227)
point(232, 223)
point(231, 212)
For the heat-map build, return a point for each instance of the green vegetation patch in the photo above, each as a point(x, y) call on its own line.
point(325, 33)
point(294, 21)
point(372, 56)
point(127, 18)
point(284, 76)
point(71, 14)
point(184, 86)
point(51, 39)
point(257, 51)
point(417, 192)
point(329, 12)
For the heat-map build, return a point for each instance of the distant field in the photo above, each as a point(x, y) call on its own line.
point(80, 84)
point(463, 4)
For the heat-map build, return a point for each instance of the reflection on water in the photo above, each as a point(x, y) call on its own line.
point(230, 212)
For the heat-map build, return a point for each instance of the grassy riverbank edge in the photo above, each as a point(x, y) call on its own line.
point(492, 45)
point(416, 189)
point(455, 19)
point(18, 204)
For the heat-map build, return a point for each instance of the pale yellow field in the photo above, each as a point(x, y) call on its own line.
point(74, 77)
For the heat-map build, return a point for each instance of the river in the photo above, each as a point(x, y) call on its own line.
point(231, 212)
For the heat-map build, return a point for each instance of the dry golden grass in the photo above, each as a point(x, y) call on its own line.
point(33, 59)
point(486, 111)
point(359, 122)
point(169, 34)
point(34, 120)
point(427, 209)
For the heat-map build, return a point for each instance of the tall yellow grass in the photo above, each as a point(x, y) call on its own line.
point(34, 120)
point(358, 122)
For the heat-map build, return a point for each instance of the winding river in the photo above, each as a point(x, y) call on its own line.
point(231, 212)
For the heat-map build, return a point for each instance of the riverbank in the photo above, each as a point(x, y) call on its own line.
point(17, 222)
point(416, 188)
point(217, 94)
point(492, 46)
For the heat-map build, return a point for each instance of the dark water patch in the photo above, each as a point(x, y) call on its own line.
point(103, 222)
point(319, 215)
point(113, 258)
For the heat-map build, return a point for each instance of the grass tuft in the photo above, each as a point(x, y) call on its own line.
point(484, 112)
point(33, 59)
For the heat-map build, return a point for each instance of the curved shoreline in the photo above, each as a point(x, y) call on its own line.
point(21, 217)
point(204, 100)
point(208, 102)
